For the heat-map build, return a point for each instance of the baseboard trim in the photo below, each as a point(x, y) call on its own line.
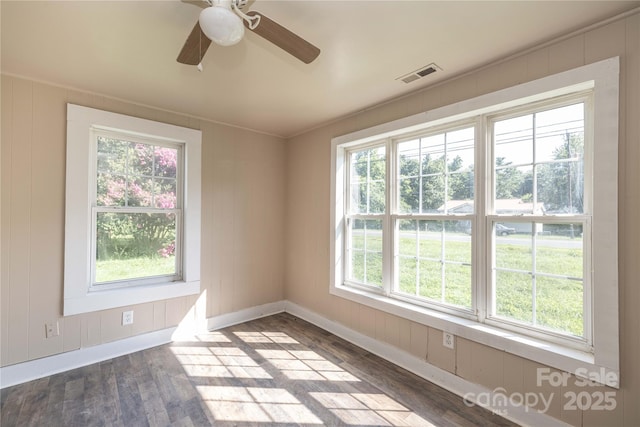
point(39, 368)
point(453, 383)
point(33, 369)
point(245, 315)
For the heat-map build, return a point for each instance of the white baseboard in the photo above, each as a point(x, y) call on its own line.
point(453, 383)
point(50, 365)
point(39, 368)
point(252, 313)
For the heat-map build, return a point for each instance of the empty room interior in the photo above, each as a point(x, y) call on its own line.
point(358, 213)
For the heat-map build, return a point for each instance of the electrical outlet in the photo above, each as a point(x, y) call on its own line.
point(52, 329)
point(127, 317)
point(448, 340)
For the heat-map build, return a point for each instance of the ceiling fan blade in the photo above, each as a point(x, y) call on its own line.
point(284, 39)
point(195, 47)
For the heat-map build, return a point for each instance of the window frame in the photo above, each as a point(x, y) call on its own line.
point(602, 78)
point(81, 294)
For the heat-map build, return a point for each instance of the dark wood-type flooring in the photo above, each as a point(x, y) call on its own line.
point(278, 370)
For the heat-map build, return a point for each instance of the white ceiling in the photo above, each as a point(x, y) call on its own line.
point(128, 50)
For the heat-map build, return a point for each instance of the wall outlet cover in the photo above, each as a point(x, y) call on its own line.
point(448, 340)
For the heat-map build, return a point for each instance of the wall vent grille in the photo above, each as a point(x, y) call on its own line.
point(419, 73)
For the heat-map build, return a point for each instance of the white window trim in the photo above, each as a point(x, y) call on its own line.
point(603, 78)
point(79, 296)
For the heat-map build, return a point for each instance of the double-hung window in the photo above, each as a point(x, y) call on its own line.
point(433, 212)
point(137, 210)
point(132, 231)
point(498, 211)
point(539, 218)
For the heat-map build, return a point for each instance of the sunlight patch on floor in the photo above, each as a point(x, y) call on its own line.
point(369, 409)
point(218, 362)
point(265, 337)
point(255, 404)
point(305, 365)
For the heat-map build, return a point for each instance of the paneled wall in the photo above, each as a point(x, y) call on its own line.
point(242, 224)
point(307, 247)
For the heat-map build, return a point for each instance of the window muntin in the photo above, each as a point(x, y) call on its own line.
point(137, 211)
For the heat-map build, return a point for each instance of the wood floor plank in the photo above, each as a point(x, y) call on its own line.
point(275, 371)
point(35, 404)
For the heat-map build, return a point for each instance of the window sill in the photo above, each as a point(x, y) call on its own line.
point(566, 359)
point(97, 300)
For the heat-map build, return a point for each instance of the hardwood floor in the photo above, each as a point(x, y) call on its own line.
point(278, 370)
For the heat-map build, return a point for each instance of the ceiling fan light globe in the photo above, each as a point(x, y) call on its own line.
point(221, 25)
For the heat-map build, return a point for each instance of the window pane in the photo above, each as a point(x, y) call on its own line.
point(134, 245)
point(460, 192)
point(166, 194)
point(367, 178)
point(166, 162)
point(111, 190)
point(457, 242)
point(431, 280)
point(513, 141)
point(560, 133)
point(112, 155)
point(559, 304)
point(561, 187)
point(458, 284)
point(376, 197)
point(514, 190)
point(141, 159)
point(409, 193)
point(513, 251)
point(433, 194)
point(365, 251)
point(140, 191)
point(514, 296)
point(559, 250)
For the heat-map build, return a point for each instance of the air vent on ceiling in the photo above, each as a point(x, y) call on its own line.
point(419, 73)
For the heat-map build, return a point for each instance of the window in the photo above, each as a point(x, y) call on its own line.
point(435, 193)
point(364, 219)
point(137, 211)
point(132, 225)
point(494, 211)
point(539, 218)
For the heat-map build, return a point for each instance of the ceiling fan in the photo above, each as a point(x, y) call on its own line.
point(222, 22)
